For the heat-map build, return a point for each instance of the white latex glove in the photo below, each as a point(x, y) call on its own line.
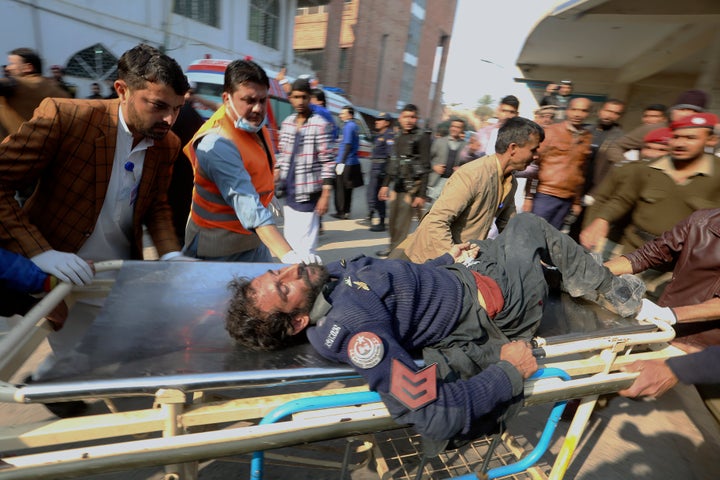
point(183, 258)
point(294, 257)
point(651, 311)
point(339, 168)
point(67, 267)
point(177, 257)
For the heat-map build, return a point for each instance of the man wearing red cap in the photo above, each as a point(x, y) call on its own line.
point(688, 103)
point(660, 193)
point(656, 146)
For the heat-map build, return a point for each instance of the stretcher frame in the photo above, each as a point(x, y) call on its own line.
point(183, 412)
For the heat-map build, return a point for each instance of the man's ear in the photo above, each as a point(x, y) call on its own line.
point(712, 140)
point(122, 89)
point(299, 322)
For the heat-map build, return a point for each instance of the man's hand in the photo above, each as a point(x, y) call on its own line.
point(294, 257)
point(66, 267)
point(183, 258)
point(418, 202)
point(58, 316)
point(594, 232)
point(519, 354)
point(384, 194)
point(527, 205)
point(655, 378)
point(651, 311)
point(322, 205)
point(462, 252)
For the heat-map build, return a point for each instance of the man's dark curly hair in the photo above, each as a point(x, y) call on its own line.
point(144, 63)
point(254, 329)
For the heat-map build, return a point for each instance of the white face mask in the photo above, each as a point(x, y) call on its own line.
point(242, 124)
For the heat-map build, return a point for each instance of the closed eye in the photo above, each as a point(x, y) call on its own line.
point(282, 290)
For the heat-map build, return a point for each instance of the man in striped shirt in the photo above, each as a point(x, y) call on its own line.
point(305, 170)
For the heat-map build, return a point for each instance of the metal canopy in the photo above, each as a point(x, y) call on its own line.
point(616, 47)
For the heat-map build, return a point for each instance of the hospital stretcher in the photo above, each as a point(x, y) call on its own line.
point(160, 337)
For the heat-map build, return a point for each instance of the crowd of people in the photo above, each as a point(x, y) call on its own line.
point(81, 178)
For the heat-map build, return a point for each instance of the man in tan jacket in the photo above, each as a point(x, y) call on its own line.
point(474, 195)
point(22, 92)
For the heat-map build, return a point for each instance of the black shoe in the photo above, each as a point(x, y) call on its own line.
point(340, 216)
point(383, 253)
point(625, 295)
point(69, 409)
point(380, 227)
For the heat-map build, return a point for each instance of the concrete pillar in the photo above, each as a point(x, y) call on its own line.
point(331, 55)
point(709, 75)
point(619, 91)
point(436, 109)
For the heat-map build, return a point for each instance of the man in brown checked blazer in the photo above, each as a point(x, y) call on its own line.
point(102, 169)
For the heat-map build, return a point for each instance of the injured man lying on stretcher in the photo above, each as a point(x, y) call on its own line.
point(469, 313)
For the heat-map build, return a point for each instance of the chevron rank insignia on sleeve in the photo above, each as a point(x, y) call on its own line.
point(413, 389)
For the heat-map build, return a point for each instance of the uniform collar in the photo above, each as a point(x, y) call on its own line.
point(321, 307)
point(703, 167)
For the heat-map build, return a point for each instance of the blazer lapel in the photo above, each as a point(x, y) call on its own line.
point(105, 153)
point(149, 171)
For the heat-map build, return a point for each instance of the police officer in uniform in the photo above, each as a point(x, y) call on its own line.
point(382, 149)
point(408, 169)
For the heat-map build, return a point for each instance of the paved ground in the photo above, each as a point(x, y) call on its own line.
point(671, 438)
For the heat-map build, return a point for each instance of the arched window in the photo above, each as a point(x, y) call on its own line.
point(94, 62)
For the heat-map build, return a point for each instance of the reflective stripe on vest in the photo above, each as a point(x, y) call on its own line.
point(209, 209)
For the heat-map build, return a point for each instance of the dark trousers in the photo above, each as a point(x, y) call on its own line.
point(552, 209)
point(514, 258)
point(343, 197)
point(401, 216)
point(374, 205)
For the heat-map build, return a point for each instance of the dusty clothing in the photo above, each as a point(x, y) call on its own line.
point(379, 314)
point(693, 246)
point(465, 211)
point(657, 202)
point(561, 161)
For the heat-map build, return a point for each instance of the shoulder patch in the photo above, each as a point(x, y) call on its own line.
point(365, 350)
point(413, 389)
